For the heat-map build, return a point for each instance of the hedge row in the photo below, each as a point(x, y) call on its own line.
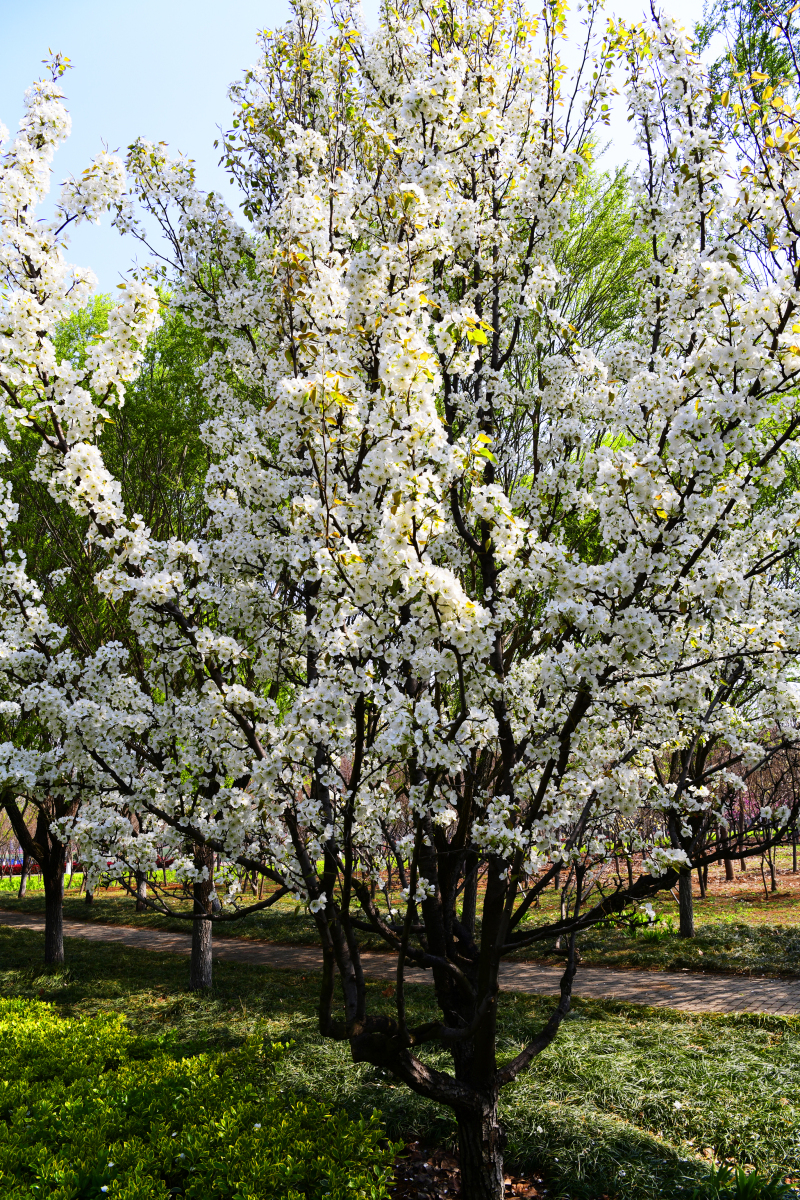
point(83, 1116)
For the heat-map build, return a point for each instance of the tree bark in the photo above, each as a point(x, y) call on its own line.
point(686, 904)
point(480, 1149)
point(52, 865)
point(141, 891)
point(470, 901)
point(200, 974)
point(723, 840)
point(51, 856)
point(89, 898)
point(23, 878)
point(54, 916)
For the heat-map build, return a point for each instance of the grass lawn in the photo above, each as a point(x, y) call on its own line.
point(738, 928)
point(629, 1103)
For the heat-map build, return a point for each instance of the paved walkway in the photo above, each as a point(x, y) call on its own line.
point(685, 990)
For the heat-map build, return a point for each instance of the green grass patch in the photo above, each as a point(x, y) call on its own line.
point(724, 946)
point(629, 1102)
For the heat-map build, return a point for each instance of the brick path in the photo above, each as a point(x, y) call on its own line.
point(684, 990)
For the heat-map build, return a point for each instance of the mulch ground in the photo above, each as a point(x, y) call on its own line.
point(432, 1173)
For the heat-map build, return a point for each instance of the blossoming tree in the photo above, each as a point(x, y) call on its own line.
point(474, 595)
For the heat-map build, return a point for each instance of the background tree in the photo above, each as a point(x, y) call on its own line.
point(154, 448)
point(154, 445)
point(760, 45)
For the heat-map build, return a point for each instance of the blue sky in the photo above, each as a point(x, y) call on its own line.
point(158, 69)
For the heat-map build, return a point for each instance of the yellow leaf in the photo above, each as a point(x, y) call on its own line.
point(477, 337)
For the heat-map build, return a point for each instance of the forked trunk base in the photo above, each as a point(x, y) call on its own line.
point(480, 1147)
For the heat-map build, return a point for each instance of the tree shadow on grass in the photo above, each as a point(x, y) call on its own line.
point(557, 1121)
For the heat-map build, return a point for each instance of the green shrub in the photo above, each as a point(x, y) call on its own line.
point(87, 1113)
point(726, 1183)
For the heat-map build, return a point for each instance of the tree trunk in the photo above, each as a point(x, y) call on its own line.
point(89, 898)
point(701, 882)
point(52, 864)
point(200, 972)
point(50, 855)
point(686, 904)
point(794, 854)
point(200, 976)
point(23, 878)
point(470, 902)
point(724, 843)
point(480, 1149)
point(141, 891)
point(54, 917)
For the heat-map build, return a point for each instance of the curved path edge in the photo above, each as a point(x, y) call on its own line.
point(685, 991)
